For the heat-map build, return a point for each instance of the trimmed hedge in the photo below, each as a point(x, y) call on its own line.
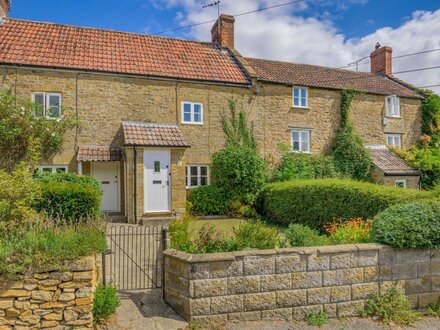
point(316, 202)
point(46, 177)
point(208, 200)
point(414, 225)
point(70, 201)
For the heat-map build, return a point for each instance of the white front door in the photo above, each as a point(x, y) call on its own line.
point(157, 180)
point(108, 174)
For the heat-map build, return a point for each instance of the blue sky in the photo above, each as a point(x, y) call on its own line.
point(324, 32)
point(359, 19)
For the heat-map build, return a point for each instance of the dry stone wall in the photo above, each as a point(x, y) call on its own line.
point(291, 283)
point(50, 299)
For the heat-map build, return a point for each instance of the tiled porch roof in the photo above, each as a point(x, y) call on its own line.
point(389, 162)
point(99, 154)
point(149, 134)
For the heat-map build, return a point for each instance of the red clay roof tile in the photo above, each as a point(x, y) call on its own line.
point(98, 153)
point(61, 46)
point(149, 134)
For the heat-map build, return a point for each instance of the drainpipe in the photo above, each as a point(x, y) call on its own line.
point(135, 183)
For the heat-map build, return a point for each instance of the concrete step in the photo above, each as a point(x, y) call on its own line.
point(157, 219)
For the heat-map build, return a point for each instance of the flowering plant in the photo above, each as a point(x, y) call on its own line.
point(357, 230)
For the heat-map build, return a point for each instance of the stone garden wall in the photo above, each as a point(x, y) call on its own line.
point(291, 283)
point(50, 299)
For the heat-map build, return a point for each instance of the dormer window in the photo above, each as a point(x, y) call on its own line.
point(300, 97)
point(392, 106)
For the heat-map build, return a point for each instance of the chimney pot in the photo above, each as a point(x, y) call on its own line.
point(381, 60)
point(222, 31)
point(5, 7)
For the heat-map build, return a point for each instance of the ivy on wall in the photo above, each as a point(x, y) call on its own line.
point(431, 119)
point(351, 157)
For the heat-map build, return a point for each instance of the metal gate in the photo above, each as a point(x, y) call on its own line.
point(134, 260)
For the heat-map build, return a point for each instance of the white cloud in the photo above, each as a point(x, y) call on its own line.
point(282, 33)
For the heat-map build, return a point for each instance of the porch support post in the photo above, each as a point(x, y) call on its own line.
point(80, 168)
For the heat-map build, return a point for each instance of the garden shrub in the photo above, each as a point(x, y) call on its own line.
point(46, 177)
point(105, 302)
point(299, 235)
point(209, 240)
point(207, 200)
point(300, 166)
point(17, 194)
point(242, 211)
point(316, 202)
point(239, 172)
point(351, 231)
point(391, 306)
point(256, 235)
point(317, 319)
point(351, 157)
point(413, 225)
point(180, 236)
point(71, 201)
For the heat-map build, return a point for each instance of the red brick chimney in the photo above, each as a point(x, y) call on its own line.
point(381, 60)
point(223, 32)
point(5, 7)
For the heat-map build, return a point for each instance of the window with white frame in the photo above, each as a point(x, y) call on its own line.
point(47, 104)
point(300, 97)
point(197, 175)
point(392, 106)
point(400, 183)
point(301, 140)
point(192, 113)
point(394, 140)
point(53, 168)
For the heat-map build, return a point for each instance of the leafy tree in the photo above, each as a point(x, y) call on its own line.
point(351, 157)
point(25, 137)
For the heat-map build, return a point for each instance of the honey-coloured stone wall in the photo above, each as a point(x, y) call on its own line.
point(294, 282)
point(50, 299)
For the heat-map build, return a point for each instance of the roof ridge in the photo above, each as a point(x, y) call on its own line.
point(137, 123)
point(107, 30)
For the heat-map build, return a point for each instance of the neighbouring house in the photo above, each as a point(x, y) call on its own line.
point(150, 106)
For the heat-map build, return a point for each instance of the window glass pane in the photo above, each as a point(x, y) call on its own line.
point(193, 170)
point(203, 181)
point(203, 170)
point(295, 135)
point(156, 166)
point(197, 108)
point(193, 181)
point(197, 117)
point(61, 170)
point(304, 136)
point(303, 92)
point(46, 169)
point(295, 145)
point(296, 102)
point(39, 104)
point(54, 106)
point(187, 112)
point(296, 92)
point(389, 140)
point(303, 102)
point(305, 146)
point(187, 117)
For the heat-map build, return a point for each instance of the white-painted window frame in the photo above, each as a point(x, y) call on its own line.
point(404, 181)
point(392, 106)
point(300, 98)
point(309, 140)
point(53, 168)
point(46, 106)
point(394, 137)
point(192, 113)
point(199, 175)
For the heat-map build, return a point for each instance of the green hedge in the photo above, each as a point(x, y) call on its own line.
point(414, 225)
point(70, 201)
point(46, 177)
point(316, 202)
point(207, 200)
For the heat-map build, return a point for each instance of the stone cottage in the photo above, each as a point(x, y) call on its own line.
point(150, 106)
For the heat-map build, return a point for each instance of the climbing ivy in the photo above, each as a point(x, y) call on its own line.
point(351, 157)
point(431, 119)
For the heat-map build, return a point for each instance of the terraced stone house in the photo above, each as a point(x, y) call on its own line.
point(151, 106)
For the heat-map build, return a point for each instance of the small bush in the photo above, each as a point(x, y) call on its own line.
point(239, 172)
point(105, 302)
point(242, 211)
point(255, 235)
point(316, 202)
point(299, 235)
point(349, 231)
point(180, 236)
point(414, 225)
point(209, 240)
point(71, 201)
point(300, 166)
point(317, 319)
point(391, 306)
point(46, 177)
point(434, 309)
point(208, 200)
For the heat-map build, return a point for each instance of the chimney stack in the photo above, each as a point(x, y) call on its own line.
point(223, 31)
point(5, 7)
point(381, 60)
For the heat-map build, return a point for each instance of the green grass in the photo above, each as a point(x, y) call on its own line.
point(48, 248)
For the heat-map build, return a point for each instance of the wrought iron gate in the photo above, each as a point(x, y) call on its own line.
point(134, 260)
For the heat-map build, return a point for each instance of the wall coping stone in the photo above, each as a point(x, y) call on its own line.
point(231, 256)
